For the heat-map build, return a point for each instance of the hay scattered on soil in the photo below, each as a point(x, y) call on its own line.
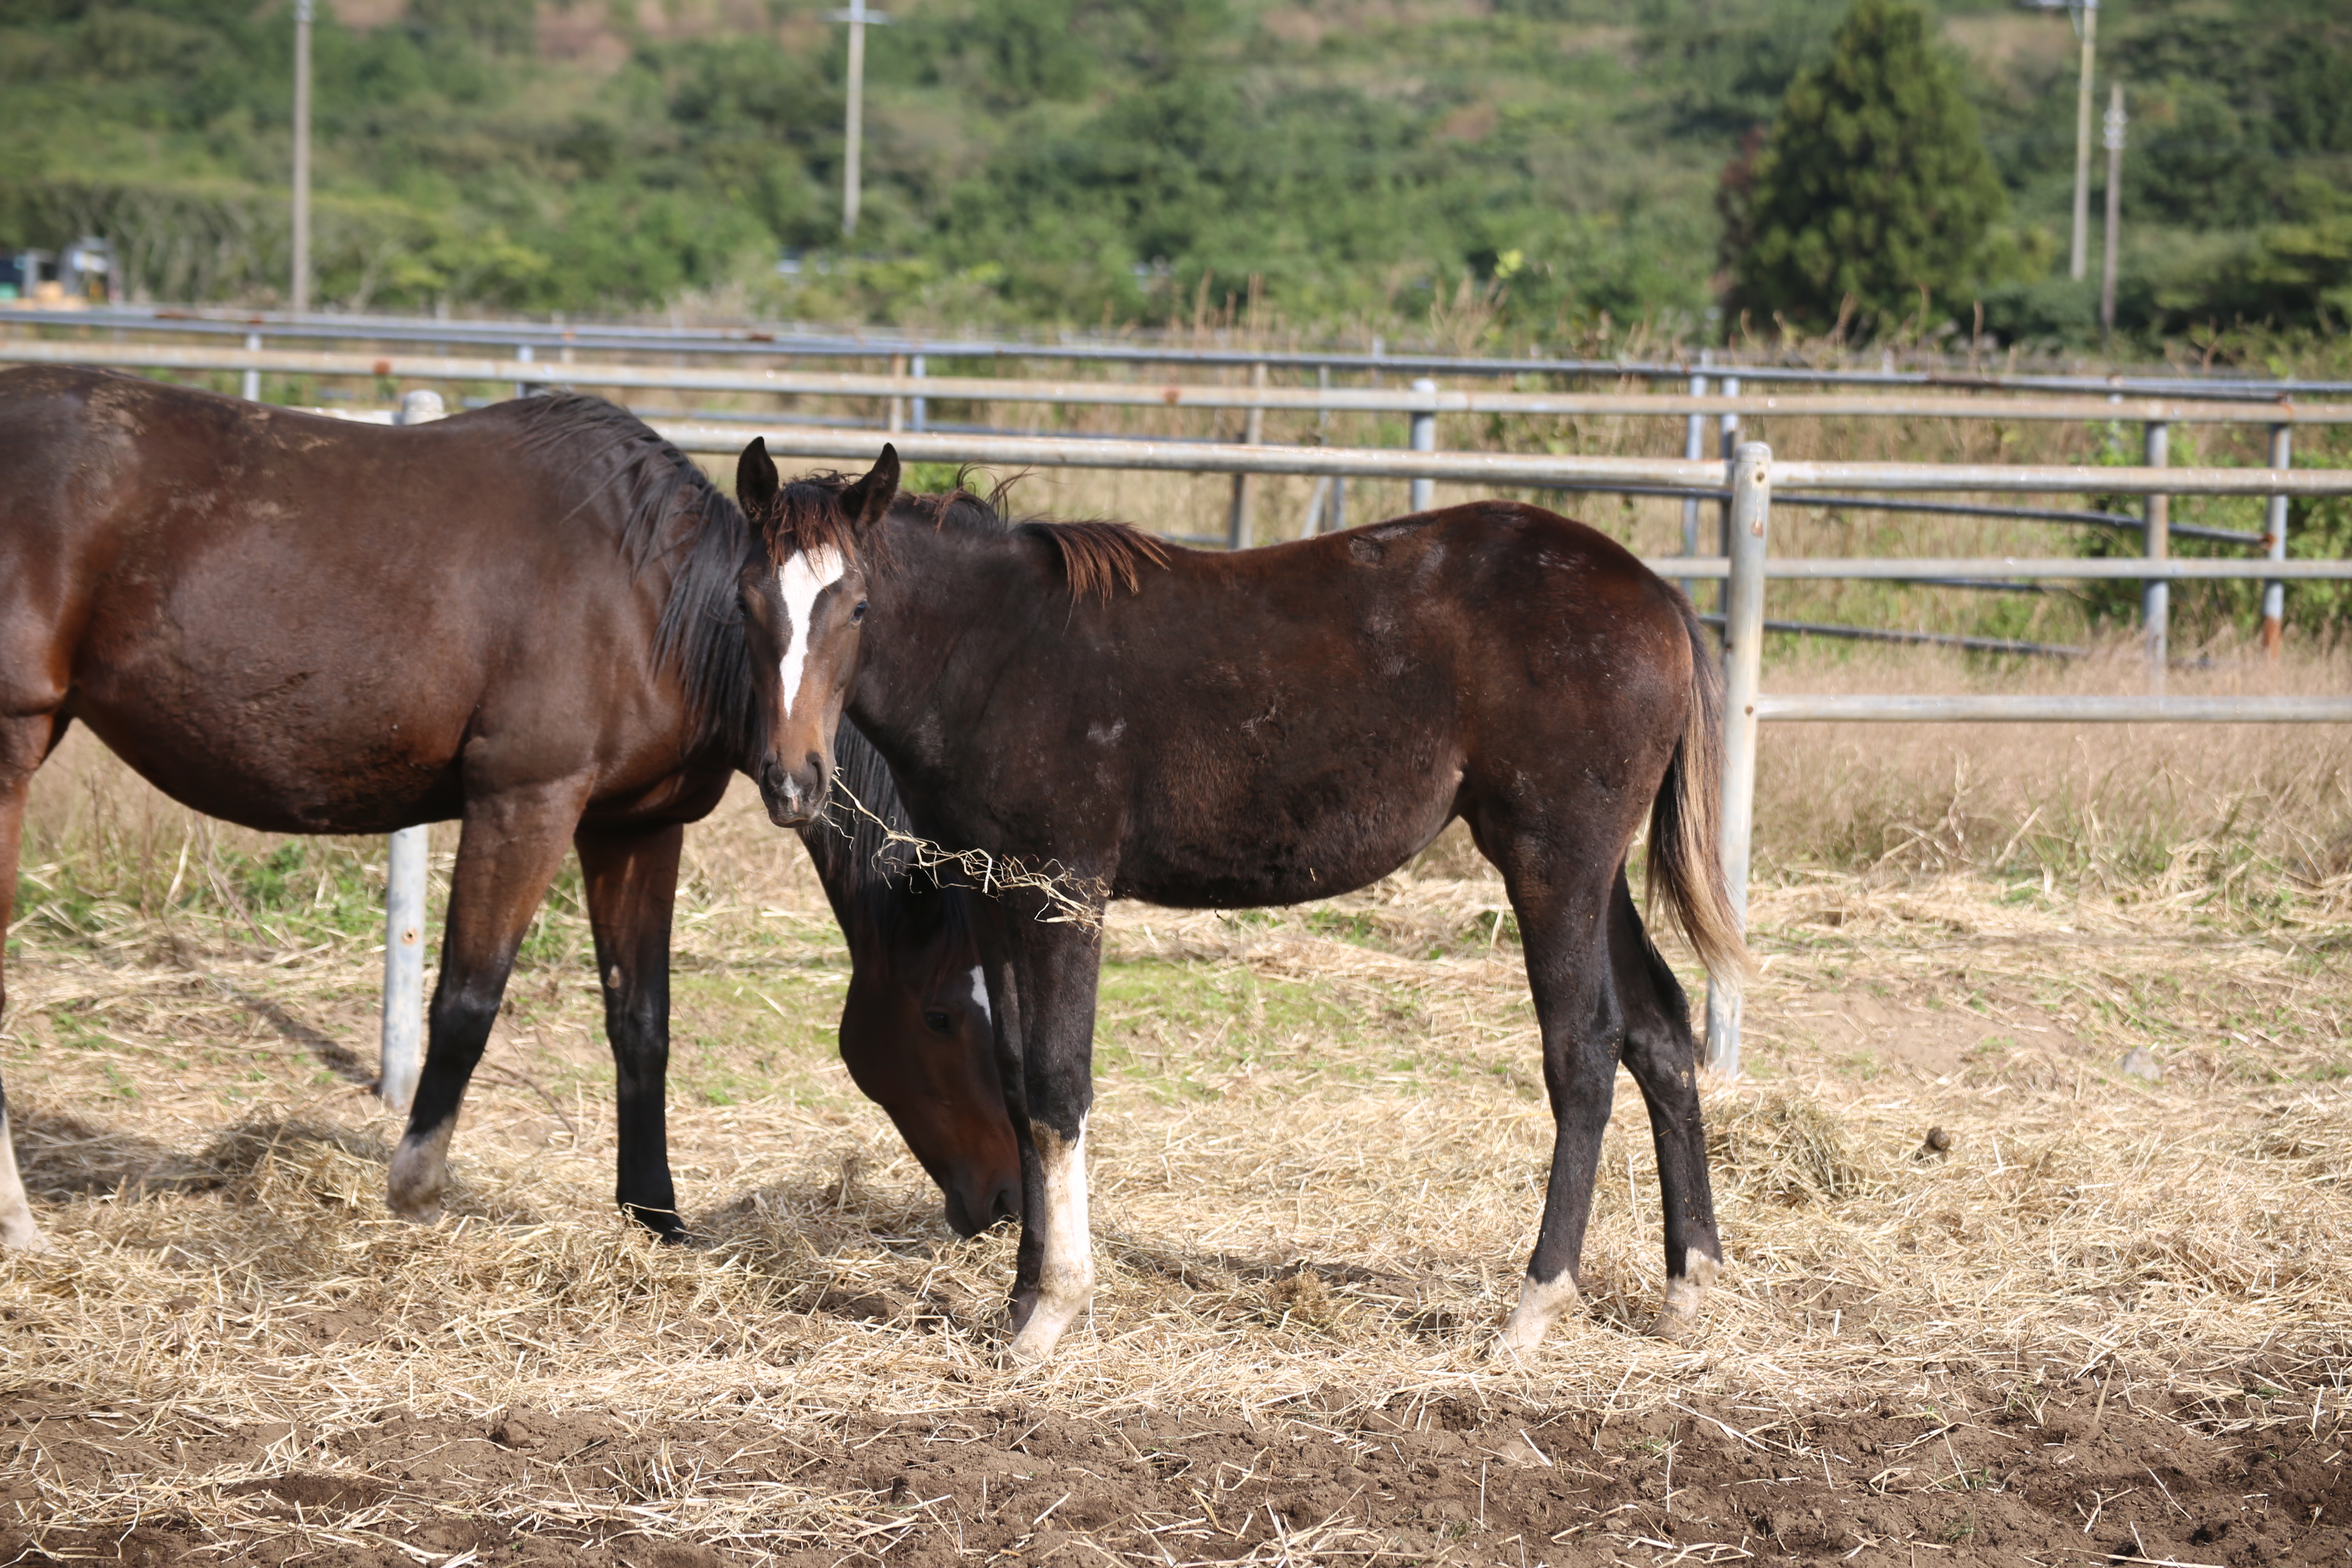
point(1319, 1148)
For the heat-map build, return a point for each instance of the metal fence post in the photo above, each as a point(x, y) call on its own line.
point(1743, 660)
point(919, 413)
point(1730, 442)
point(523, 352)
point(1241, 520)
point(1424, 439)
point(252, 388)
point(897, 419)
point(401, 1056)
point(1694, 449)
point(2156, 595)
point(2274, 591)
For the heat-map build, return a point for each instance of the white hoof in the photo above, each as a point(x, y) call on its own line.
point(1686, 1298)
point(1540, 1305)
point(24, 1235)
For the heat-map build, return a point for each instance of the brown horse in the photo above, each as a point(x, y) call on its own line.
point(1214, 730)
point(538, 619)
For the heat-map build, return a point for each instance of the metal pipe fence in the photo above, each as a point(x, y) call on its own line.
point(1422, 399)
point(801, 342)
point(1748, 568)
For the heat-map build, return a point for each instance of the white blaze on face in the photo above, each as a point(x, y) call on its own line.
point(807, 575)
point(980, 993)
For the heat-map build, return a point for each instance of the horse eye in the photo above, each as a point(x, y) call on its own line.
point(934, 1020)
point(857, 614)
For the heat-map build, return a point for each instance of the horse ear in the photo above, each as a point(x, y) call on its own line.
point(756, 485)
point(870, 496)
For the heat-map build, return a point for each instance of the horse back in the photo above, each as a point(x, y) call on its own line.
point(299, 622)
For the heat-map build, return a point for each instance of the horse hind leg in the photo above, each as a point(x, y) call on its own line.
point(22, 747)
point(1663, 1060)
point(1562, 906)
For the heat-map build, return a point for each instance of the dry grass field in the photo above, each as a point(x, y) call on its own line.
point(2108, 1321)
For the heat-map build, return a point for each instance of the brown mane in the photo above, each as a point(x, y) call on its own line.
point(1098, 556)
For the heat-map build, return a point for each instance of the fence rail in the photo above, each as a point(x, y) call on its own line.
point(1746, 564)
point(1417, 400)
point(1995, 708)
point(800, 342)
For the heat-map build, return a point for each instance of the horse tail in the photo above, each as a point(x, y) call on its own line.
point(1685, 861)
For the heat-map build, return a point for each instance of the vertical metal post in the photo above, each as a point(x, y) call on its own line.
point(2275, 592)
point(1730, 444)
point(1424, 439)
point(2115, 128)
point(523, 352)
point(252, 388)
point(299, 296)
point(919, 415)
point(2078, 257)
point(1243, 517)
point(897, 419)
point(1335, 503)
point(2156, 593)
point(400, 1046)
point(1743, 662)
point(1694, 449)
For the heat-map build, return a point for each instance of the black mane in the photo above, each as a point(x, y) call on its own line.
point(670, 514)
point(868, 876)
point(1098, 557)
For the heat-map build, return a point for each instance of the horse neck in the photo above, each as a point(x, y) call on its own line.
point(946, 596)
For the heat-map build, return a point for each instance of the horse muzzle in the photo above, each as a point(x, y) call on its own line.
point(793, 796)
point(973, 1207)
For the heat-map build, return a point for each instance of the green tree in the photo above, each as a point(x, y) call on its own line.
point(1873, 186)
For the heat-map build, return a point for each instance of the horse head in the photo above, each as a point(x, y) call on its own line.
point(918, 1041)
point(803, 591)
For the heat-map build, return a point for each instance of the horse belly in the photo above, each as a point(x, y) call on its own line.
point(271, 729)
point(1289, 846)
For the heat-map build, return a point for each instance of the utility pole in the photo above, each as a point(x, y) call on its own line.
point(300, 292)
point(2090, 25)
point(2115, 207)
point(858, 16)
point(2085, 17)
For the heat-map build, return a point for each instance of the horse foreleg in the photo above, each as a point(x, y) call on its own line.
point(1576, 1005)
point(17, 1227)
point(1045, 1021)
point(1663, 1060)
point(631, 878)
point(508, 851)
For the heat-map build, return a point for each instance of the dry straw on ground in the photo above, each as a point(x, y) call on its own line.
point(1318, 1158)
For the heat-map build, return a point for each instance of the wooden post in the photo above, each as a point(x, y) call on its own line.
point(1743, 660)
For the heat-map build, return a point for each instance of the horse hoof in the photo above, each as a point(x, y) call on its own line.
point(27, 1238)
point(1680, 1313)
point(1539, 1306)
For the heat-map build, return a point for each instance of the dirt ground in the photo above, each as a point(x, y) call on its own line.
point(1712, 1480)
point(2108, 1321)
